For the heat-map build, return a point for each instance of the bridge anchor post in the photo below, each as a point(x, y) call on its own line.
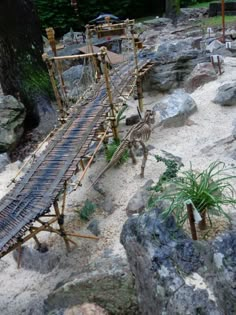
point(108, 87)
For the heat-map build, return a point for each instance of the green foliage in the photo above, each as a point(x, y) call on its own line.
point(111, 149)
point(172, 168)
point(87, 210)
point(60, 15)
point(120, 115)
point(208, 190)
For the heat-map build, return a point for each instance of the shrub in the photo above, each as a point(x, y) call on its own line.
point(87, 210)
point(209, 191)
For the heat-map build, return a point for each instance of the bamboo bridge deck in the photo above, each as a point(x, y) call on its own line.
point(33, 195)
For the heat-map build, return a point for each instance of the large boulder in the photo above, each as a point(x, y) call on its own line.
point(107, 282)
point(174, 60)
point(175, 275)
point(201, 74)
point(226, 94)
point(11, 122)
point(175, 109)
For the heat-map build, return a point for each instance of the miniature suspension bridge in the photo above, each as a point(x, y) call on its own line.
point(32, 205)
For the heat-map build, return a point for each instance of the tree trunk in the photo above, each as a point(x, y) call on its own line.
point(172, 10)
point(23, 73)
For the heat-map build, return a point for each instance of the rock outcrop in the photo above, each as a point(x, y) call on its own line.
point(175, 275)
point(201, 74)
point(175, 109)
point(107, 283)
point(11, 122)
point(175, 60)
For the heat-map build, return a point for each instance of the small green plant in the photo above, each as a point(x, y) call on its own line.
point(209, 191)
point(172, 168)
point(111, 149)
point(120, 115)
point(87, 210)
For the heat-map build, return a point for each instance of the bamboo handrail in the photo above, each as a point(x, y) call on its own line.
point(75, 56)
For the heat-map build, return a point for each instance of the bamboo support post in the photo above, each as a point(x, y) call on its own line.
point(191, 221)
point(53, 82)
point(90, 49)
point(51, 38)
point(108, 87)
point(138, 81)
point(60, 221)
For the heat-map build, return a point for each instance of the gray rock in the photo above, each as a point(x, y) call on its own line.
point(107, 282)
point(94, 227)
point(175, 60)
point(85, 309)
point(157, 22)
point(179, 275)
point(132, 120)
point(108, 204)
point(76, 80)
point(72, 37)
point(175, 109)
point(201, 74)
point(11, 122)
point(139, 200)
point(226, 94)
point(32, 259)
point(4, 160)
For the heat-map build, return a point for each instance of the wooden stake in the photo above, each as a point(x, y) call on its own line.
point(191, 221)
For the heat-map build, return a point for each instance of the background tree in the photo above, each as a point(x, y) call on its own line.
point(23, 73)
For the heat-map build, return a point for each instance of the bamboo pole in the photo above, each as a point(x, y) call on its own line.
point(108, 87)
point(76, 56)
point(83, 236)
point(90, 47)
point(138, 81)
point(60, 221)
point(53, 82)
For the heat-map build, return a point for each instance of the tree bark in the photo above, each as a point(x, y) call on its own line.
point(172, 10)
point(23, 73)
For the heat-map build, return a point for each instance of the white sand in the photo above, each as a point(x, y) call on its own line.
point(195, 142)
